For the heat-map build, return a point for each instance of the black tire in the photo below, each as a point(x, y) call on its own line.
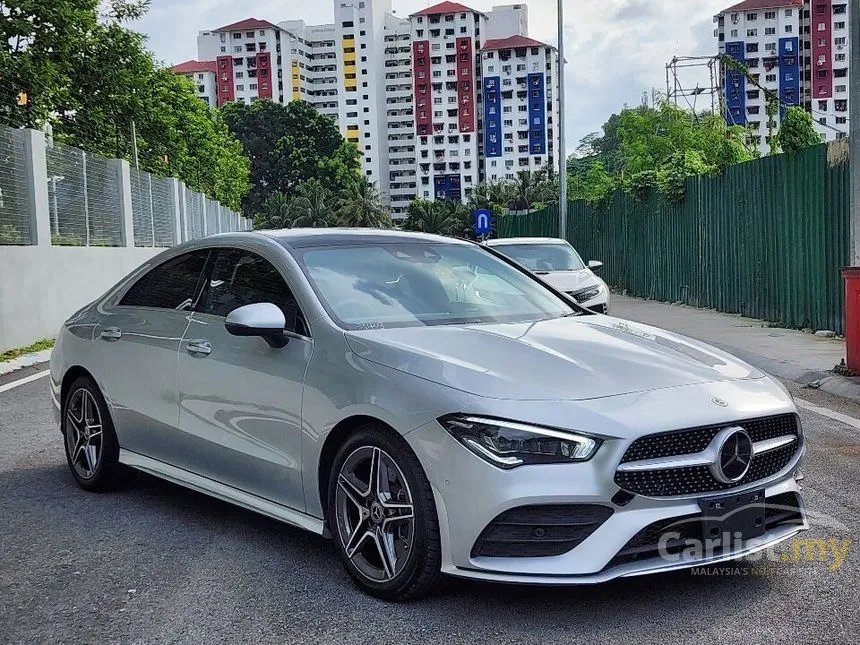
point(420, 574)
point(107, 473)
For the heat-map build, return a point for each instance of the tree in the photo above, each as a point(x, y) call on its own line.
point(426, 216)
point(360, 206)
point(90, 77)
point(289, 145)
point(311, 206)
point(797, 130)
point(275, 213)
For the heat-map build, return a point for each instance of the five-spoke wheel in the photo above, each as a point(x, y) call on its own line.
point(382, 515)
point(92, 449)
point(375, 517)
point(83, 433)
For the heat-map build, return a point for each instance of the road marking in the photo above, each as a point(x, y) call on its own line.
point(827, 412)
point(24, 381)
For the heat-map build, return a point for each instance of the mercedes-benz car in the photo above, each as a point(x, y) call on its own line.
point(431, 406)
point(556, 262)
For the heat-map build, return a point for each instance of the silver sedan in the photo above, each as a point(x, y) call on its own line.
point(431, 406)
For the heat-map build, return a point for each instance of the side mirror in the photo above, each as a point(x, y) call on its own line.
point(594, 265)
point(262, 319)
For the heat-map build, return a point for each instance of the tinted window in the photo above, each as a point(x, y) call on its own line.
point(172, 285)
point(242, 278)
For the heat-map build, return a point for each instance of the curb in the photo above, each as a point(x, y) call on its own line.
point(7, 367)
point(841, 386)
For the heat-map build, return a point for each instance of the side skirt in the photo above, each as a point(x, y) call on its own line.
point(221, 491)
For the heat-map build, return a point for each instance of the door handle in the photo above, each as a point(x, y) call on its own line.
point(199, 347)
point(110, 334)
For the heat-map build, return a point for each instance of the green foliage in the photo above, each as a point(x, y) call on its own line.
point(288, 145)
point(314, 205)
point(797, 130)
point(658, 147)
point(360, 206)
point(38, 346)
point(91, 77)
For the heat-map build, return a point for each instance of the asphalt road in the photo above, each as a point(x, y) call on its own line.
point(158, 564)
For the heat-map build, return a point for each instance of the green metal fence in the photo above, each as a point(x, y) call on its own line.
point(765, 239)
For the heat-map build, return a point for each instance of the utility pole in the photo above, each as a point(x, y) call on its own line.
point(854, 131)
point(562, 150)
point(134, 143)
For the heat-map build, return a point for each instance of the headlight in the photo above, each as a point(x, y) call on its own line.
point(584, 295)
point(507, 444)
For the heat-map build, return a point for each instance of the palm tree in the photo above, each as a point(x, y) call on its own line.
point(428, 217)
point(311, 207)
point(275, 213)
point(525, 191)
point(360, 207)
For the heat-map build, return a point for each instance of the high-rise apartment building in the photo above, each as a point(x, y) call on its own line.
point(794, 50)
point(446, 73)
point(520, 106)
point(408, 92)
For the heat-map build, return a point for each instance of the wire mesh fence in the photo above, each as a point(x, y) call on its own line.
point(84, 198)
point(152, 209)
point(15, 207)
point(89, 199)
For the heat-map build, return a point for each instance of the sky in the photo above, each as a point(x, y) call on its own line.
point(616, 49)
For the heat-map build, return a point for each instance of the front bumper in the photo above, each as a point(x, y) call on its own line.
point(471, 493)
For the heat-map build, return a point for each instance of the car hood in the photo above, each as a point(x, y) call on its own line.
point(569, 281)
point(575, 358)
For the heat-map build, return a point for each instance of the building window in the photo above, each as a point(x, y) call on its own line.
point(789, 29)
point(240, 88)
point(822, 105)
point(839, 25)
point(770, 31)
point(752, 33)
point(752, 16)
point(770, 15)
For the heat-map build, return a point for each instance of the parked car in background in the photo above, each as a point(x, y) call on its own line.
point(430, 405)
point(558, 263)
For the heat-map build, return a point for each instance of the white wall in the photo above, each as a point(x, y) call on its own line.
point(41, 286)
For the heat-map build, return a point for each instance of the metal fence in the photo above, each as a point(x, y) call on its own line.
point(90, 199)
point(765, 239)
point(15, 206)
point(152, 209)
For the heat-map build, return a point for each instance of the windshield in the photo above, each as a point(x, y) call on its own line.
point(543, 257)
point(378, 286)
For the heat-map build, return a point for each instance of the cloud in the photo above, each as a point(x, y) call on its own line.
point(616, 49)
point(635, 10)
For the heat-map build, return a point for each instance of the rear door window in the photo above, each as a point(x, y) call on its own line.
point(172, 285)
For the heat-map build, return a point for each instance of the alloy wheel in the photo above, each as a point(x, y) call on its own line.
point(375, 513)
point(84, 433)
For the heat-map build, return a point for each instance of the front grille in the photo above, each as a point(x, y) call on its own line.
point(780, 510)
point(539, 531)
point(693, 480)
point(685, 442)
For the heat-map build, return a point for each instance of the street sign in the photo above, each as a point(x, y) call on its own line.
point(483, 221)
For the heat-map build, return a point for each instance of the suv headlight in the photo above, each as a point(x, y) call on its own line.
point(508, 444)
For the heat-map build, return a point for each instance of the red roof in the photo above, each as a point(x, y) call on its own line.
point(513, 42)
point(248, 23)
point(193, 66)
point(445, 7)
point(752, 5)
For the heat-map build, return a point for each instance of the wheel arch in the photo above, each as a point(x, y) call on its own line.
point(71, 375)
point(333, 441)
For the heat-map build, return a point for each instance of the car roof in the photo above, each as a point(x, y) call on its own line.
point(305, 237)
point(525, 240)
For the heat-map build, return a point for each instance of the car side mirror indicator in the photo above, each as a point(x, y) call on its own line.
point(262, 319)
point(595, 265)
